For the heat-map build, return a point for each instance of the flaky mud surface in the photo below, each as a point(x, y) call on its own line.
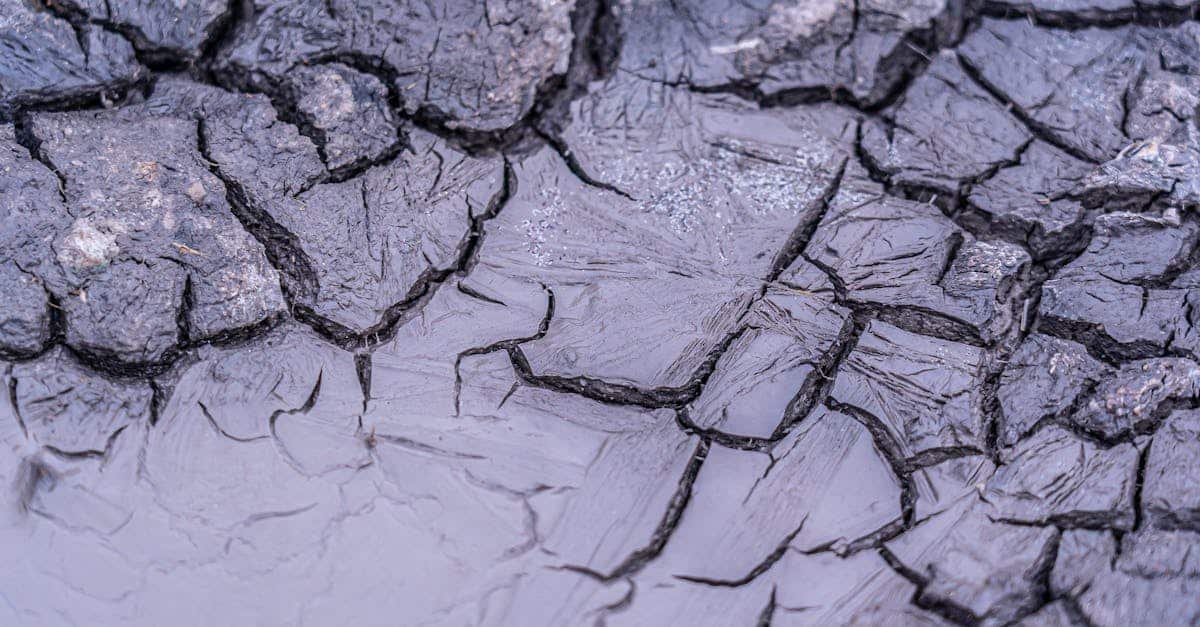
point(555, 312)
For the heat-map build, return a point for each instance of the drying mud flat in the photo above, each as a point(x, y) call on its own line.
point(588, 312)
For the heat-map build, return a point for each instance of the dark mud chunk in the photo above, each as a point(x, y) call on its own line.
point(25, 318)
point(1117, 296)
point(711, 198)
point(473, 66)
point(979, 569)
point(921, 390)
point(1089, 91)
point(788, 49)
point(70, 408)
point(374, 239)
point(28, 195)
point(32, 209)
point(946, 131)
point(1055, 477)
point(347, 112)
point(1043, 380)
point(1076, 12)
point(1153, 580)
point(770, 372)
point(1027, 202)
point(1172, 492)
point(348, 251)
point(1070, 84)
point(911, 259)
point(161, 28)
point(152, 255)
point(1161, 174)
point(44, 59)
point(1138, 396)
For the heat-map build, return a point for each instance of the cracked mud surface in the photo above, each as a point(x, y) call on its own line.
point(554, 312)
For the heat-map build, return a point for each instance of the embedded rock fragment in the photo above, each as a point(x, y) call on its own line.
point(788, 48)
point(947, 131)
point(922, 391)
point(64, 405)
point(1117, 297)
point(473, 66)
point(1055, 477)
point(1029, 202)
point(911, 260)
point(347, 111)
point(1171, 496)
point(1138, 396)
point(697, 180)
point(171, 31)
point(152, 255)
point(770, 372)
point(45, 59)
point(1043, 380)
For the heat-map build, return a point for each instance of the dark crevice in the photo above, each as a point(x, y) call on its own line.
point(212, 422)
point(564, 151)
point(760, 568)
point(912, 54)
point(422, 290)
point(1035, 128)
point(1138, 486)
point(819, 382)
point(362, 368)
point(23, 127)
point(768, 612)
point(803, 233)
point(623, 394)
point(156, 58)
point(636, 560)
point(891, 452)
point(12, 400)
point(507, 345)
point(1137, 14)
point(950, 611)
point(87, 453)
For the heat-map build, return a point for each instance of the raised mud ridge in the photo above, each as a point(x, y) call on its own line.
point(586, 312)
